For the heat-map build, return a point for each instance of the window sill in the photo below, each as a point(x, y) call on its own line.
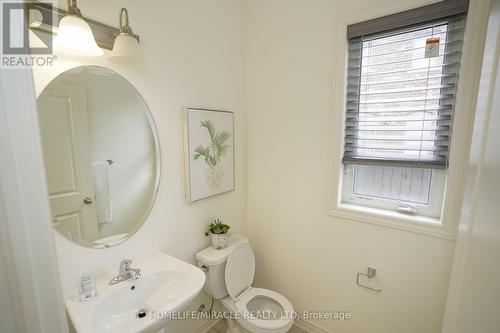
point(412, 223)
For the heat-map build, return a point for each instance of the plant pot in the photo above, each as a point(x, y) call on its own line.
point(219, 240)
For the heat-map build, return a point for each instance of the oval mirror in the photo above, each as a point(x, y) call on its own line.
point(101, 155)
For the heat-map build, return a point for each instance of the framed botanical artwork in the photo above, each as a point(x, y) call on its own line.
point(209, 152)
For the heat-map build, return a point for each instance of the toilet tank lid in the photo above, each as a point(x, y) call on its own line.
point(211, 256)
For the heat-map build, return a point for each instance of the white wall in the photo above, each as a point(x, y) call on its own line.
point(474, 296)
point(193, 51)
point(312, 258)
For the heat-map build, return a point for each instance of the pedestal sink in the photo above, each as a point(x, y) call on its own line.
point(143, 305)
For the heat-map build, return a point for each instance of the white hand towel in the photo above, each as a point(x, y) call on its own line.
point(102, 188)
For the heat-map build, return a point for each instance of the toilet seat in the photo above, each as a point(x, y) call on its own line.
point(240, 269)
point(239, 273)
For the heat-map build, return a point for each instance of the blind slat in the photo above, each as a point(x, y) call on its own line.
point(403, 70)
point(441, 142)
point(427, 163)
point(401, 61)
point(445, 109)
point(400, 103)
point(401, 90)
point(401, 138)
point(356, 48)
point(400, 109)
point(403, 100)
point(390, 129)
point(405, 50)
point(361, 122)
point(431, 77)
point(354, 148)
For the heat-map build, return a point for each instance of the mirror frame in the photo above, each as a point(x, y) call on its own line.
point(157, 149)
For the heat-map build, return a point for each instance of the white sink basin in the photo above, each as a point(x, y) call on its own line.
point(167, 285)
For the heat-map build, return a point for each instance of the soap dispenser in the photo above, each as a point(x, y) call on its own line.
point(86, 286)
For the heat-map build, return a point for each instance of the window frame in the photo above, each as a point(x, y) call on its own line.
point(446, 226)
point(438, 182)
point(433, 210)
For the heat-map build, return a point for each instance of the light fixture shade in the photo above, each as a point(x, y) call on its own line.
point(126, 48)
point(75, 37)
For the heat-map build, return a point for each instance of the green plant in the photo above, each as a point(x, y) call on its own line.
point(217, 227)
point(218, 147)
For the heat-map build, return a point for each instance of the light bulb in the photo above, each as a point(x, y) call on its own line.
point(126, 47)
point(75, 37)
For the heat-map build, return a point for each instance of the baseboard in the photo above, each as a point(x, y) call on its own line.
point(310, 327)
point(207, 325)
point(304, 325)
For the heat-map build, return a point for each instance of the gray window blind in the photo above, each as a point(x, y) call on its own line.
point(400, 100)
point(429, 13)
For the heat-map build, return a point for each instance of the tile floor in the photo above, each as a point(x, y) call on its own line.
point(221, 327)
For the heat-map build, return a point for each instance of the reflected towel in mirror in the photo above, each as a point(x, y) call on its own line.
point(102, 188)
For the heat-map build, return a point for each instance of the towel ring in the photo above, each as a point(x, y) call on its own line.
point(370, 274)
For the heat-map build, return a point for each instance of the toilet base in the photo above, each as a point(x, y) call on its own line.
point(234, 327)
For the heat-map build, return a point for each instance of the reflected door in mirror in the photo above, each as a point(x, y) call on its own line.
point(65, 136)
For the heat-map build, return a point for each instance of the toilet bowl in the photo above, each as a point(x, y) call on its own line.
point(259, 311)
point(230, 274)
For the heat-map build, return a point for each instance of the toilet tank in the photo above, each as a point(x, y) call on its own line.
point(213, 262)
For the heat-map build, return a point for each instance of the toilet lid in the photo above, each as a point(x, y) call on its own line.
point(240, 269)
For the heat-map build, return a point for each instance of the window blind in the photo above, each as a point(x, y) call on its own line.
point(401, 95)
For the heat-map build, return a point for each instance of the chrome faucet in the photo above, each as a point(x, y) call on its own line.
point(126, 272)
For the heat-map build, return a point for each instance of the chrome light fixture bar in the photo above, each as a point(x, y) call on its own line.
point(104, 35)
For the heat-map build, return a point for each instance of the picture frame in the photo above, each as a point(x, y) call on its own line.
point(208, 152)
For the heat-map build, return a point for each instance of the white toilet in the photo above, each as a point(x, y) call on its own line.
point(230, 273)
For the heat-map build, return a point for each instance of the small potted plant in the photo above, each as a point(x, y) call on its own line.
point(218, 232)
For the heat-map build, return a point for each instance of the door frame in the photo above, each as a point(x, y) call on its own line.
point(484, 108)
point(28, 259)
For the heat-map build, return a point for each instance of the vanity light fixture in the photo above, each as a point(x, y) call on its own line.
point(126, 46)
point(74, 34)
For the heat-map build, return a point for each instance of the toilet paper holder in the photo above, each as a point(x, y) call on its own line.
point(370, 274)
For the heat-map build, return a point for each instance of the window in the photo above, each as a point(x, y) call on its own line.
point(401, 87)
